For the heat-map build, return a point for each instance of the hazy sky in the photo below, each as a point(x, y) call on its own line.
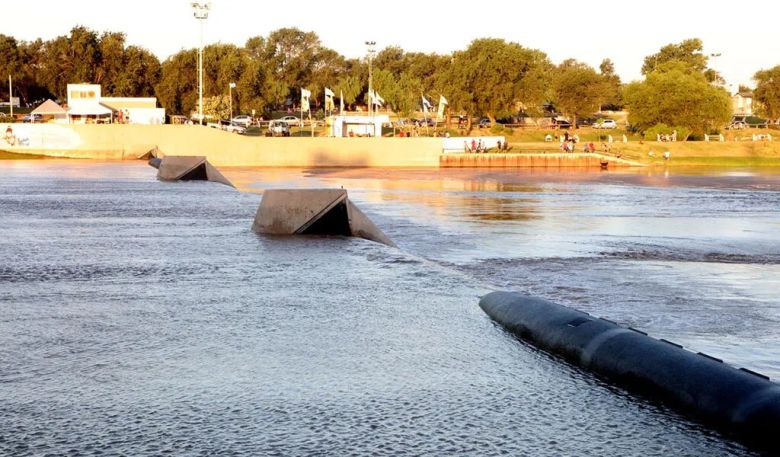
point(588, 30)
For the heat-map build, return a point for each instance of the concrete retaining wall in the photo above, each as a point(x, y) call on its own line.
point(541, 160)
point(122, 142)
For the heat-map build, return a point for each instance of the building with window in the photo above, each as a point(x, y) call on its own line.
point(87, 105)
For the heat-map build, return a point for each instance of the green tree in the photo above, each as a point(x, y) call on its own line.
point(578, 91)
point(613, 90)
point(217, 107)
point(177, 89)
point(689, 52)
point(350, 87)
point(674, 94)
point(492, 77)
point(767, 92)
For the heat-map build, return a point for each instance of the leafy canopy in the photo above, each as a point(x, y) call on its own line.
point(676, 95)
point(767, 92)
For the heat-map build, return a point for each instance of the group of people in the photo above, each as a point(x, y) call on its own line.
point(123, 116)
point(474, 146)
point(569, 141)
point(478, 146)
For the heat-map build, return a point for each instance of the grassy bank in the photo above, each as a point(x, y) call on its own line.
point(11, 156)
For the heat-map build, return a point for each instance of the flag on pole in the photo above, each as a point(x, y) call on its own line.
point(341, 101)
point(426, 104)
point(378, 100)
point(442, 104)
point(329, 104)
point(305, 95)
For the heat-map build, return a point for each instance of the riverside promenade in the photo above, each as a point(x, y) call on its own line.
point(133, 142)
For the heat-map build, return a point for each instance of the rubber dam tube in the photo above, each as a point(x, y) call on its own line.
point(738, 400)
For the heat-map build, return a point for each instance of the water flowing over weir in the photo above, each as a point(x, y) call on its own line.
point(145, 318)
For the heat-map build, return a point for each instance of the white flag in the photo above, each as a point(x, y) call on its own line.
point(341, 101)
point(305, 94)
point(329, 104)
point(426, 104)
point(442, 104)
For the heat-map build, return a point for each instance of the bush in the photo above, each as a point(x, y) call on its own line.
point(497, 128)
point(652, 133)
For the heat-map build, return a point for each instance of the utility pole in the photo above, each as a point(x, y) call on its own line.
point(11, 95)
point(201, 14)
point(231, 86)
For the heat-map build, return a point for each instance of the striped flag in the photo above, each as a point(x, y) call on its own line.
point(426, 104)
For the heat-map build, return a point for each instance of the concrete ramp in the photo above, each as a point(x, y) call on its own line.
point(187, 168)
point(314, 212)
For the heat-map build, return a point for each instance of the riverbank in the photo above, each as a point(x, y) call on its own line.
point(132, 142)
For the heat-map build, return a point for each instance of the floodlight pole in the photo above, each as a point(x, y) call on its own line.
point(371, 51)
point(201, 13)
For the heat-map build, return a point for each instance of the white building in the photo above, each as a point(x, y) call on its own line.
point(87, 105)
point(351, 126)
point(742, 103)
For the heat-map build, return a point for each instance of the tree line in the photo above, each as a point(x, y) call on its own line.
point(491, 77)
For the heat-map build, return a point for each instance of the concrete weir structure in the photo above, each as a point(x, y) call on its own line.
point(739, 400)
point(187, 168)
point(314, 212)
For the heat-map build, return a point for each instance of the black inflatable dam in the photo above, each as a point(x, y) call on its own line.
point(737, 400)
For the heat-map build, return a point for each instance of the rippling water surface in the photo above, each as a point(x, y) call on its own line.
point(144, 318)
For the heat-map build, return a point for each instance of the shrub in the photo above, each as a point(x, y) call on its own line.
point(497, 128)
point(652, 133)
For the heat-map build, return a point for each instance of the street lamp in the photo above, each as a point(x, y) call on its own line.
point(371, 51)
point(201, 13)
point(231, 86)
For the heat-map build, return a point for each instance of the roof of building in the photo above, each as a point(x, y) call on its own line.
point(89, 109)
point(49, 107)
point(120, 103)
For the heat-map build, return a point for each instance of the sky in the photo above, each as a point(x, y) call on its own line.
point(587, 30)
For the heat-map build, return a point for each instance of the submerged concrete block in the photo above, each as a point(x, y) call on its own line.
point(314, 212)
point(737, 399)
point(187, 168)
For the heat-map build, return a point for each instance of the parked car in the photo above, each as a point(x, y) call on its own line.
point(291, 121)
point(278, 128)
point(560, 122)
point(243, 120)
point(737, 125)
point(32, 118)
point(484, 123)
point(227, 126)
point(605, 124)
point(423, 122)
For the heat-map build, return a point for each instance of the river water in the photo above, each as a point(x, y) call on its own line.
point(139, 317)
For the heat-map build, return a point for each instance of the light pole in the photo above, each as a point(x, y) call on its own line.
point(231, 86)
point(714, 56)
point(371, 51)
point(201, 13)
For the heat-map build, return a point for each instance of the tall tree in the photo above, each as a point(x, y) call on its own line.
point(578, 91)
point(613, 93)
point(689, 52)
point(676, 95)
point(491, 77)
point(767, 92)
